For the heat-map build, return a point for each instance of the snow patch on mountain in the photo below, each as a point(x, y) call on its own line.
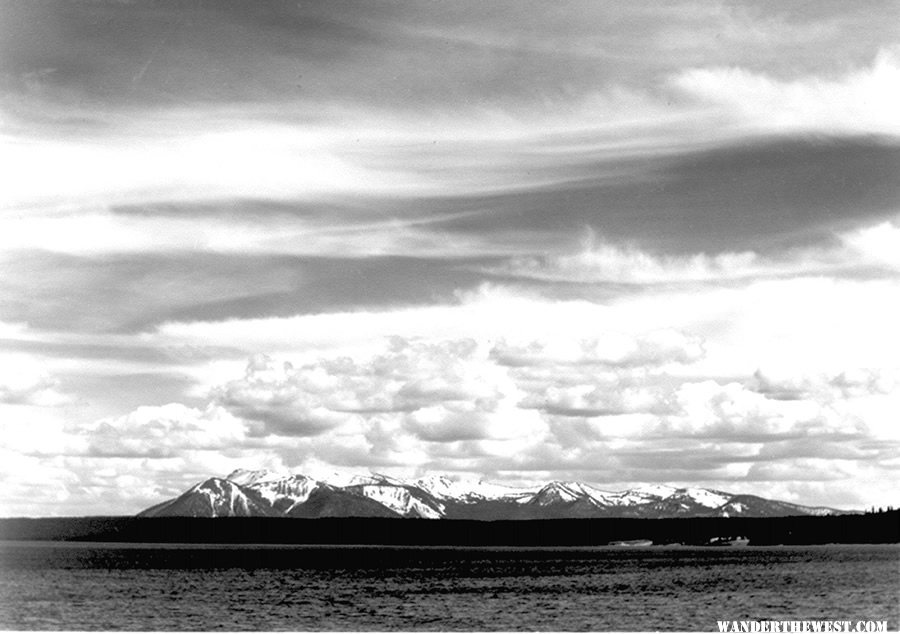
point(400, 500)
point(597, 496)
point(294, 489)
point(469, 490)
point(705, 497)
point(654, 490)
point(639, 495)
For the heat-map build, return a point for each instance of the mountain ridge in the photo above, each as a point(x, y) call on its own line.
point(262, 493)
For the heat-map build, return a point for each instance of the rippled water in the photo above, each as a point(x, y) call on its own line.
point(171, 587)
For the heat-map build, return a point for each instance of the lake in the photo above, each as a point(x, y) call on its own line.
point(88, 586)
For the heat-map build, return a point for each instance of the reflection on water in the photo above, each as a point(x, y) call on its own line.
point(128, 587)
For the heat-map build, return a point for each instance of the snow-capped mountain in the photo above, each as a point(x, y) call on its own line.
point(269, 494)
point(215, 497)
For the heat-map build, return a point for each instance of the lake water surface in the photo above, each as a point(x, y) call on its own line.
point(54, 585)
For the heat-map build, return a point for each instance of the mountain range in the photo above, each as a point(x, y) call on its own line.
point(245, 493)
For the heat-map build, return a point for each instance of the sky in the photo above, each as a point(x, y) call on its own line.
point(618, 243)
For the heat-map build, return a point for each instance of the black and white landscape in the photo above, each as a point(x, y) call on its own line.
point(609, 290)
point(605, 242)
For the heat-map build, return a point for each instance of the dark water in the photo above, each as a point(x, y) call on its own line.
point(171, 587)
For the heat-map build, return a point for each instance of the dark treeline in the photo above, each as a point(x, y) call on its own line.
point(864, 528)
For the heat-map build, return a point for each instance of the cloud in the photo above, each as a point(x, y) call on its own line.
point(781, 388)
point(782, 323)
point(823, 448)
point(450, 405)
point(861, 101)
point(629, 265)
point(800, 469)
point(185, 157)
point(731, 411)
point(163, 432)
point(615, 349)
point(610, 375)
point(877, 244)
point(35, 430)
point(848, 384)
point(870, 248)
point(34, 485)
point(281, 400)
point(392, 407)
point(589, 401)
point(858, 382)
point(451, 422)
point(24, 382)
point(442, 390)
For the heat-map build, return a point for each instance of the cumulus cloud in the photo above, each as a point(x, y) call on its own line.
point(163, 431)
point(732, 411)
point(394, 407)
point(857, 382)
point(459, 390)
point(588, 400)
point(781, 386)
point(788, 384)
point(444, 391)
point(451, 422)
point(419, 406)
point(281, 400)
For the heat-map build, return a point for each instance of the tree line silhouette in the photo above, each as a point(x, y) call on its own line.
point(882, 526)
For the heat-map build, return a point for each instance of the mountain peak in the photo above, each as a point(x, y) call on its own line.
point(213, 497)
point(267, 493)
